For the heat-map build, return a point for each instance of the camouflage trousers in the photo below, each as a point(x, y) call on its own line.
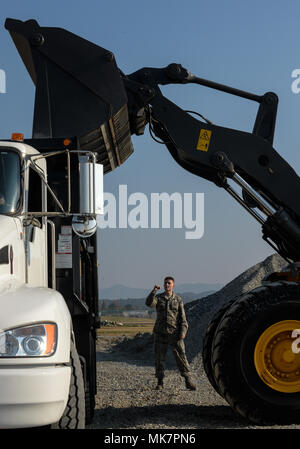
point(161, 343)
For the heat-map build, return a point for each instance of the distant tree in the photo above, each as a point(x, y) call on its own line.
point(128, 307)
point(115, 305)
point(102, 304)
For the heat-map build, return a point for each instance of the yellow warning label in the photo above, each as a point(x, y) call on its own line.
point(204, 139)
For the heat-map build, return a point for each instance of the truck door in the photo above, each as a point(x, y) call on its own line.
point(35, 229)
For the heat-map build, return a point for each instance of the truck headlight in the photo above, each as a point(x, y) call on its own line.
point(36, 340)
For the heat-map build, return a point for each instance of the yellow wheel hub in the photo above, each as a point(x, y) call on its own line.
point(277, 357)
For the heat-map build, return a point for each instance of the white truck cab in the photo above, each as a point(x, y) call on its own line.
point(35, 322)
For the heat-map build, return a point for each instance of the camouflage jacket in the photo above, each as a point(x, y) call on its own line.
point(170, 314)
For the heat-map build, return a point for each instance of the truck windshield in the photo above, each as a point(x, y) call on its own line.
point(10, 180)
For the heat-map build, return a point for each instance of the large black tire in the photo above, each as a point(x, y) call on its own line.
point(234, 343)
point(207, 345)
point(74, 413)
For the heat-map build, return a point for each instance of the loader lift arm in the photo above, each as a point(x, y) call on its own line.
point(268, 183)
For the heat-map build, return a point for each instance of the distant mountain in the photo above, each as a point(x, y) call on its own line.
point(139, 303)
point(188, 296)
point(192, 291)
point(119, 291)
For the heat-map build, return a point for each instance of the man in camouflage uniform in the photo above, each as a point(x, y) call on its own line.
point(170, 329)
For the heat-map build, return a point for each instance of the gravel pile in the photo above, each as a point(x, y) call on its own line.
point(200, 311)
point(140, 346)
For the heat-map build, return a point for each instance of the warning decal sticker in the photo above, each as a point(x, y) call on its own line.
point(63, 257)
point(204, 139)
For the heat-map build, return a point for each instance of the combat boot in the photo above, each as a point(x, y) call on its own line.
point(160, 384)
point(189, 383)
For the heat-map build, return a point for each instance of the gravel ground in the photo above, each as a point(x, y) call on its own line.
point(127, 398)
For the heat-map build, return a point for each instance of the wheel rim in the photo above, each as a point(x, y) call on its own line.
point(277, 357)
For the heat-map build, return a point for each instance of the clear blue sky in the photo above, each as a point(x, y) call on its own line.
point(250, 45)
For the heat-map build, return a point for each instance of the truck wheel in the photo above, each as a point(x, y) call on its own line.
point(255, 356)
point(74, 413)
point(207, 345)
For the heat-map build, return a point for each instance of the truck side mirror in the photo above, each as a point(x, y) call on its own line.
point(90, 188)
point(90, 199)
point(84, 226)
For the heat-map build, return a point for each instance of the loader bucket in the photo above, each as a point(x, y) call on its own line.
point(79, 91)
